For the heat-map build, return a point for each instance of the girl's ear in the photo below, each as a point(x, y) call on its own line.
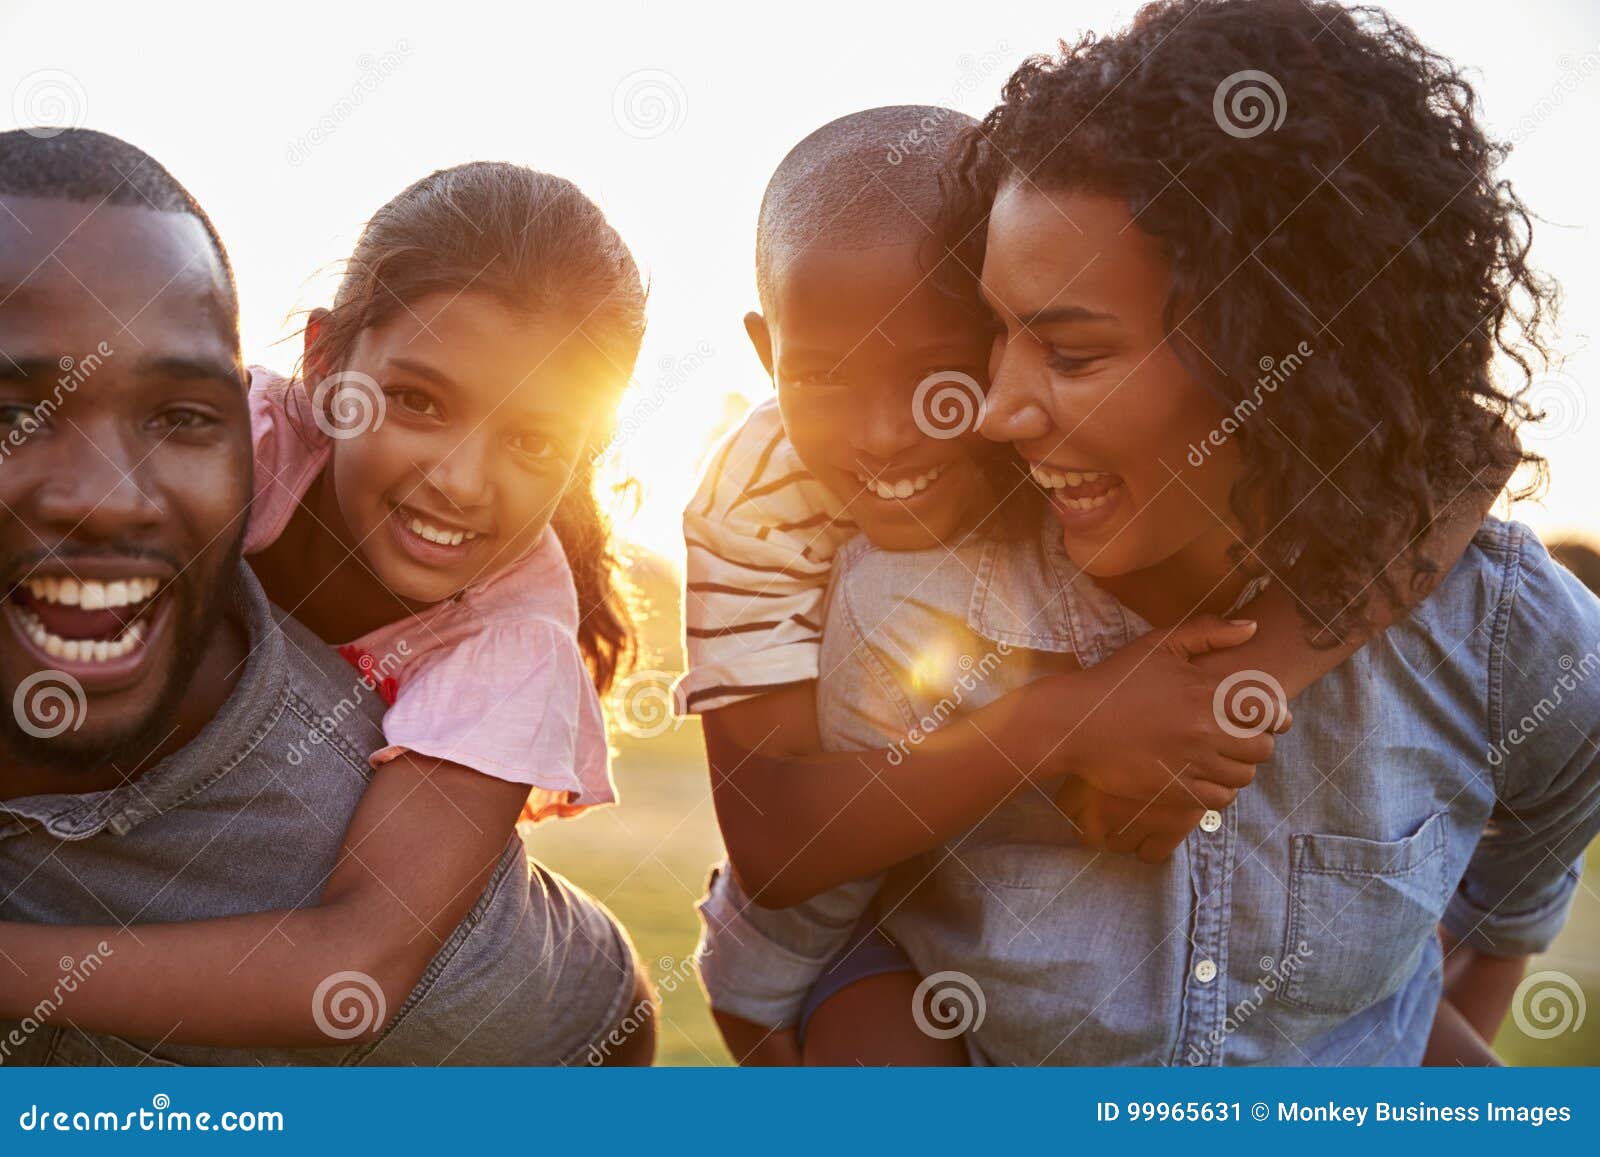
point(761, 337)
point(313, 329)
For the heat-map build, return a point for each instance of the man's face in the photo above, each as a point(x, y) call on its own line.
point(125, 473)
point(853, 337)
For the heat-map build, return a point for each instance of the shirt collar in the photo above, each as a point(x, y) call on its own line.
point(247, 715)
point(1029, 594)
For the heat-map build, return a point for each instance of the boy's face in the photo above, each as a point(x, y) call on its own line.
point(852, 336)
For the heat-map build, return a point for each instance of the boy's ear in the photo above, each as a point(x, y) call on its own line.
point(313, 328)
point(761, 337)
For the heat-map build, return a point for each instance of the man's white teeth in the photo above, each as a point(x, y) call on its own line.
point(1056, 479)
point(902, 488)
point(91, 594)
point(80, 650)
point(440, 535)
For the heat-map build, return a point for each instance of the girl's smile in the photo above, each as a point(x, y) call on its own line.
point(434, 541)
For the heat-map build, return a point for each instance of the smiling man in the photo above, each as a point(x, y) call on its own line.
point(174, 748)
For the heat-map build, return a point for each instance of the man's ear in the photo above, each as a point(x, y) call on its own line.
point(761, 337)
point(313, 369)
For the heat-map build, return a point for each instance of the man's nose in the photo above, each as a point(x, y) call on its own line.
point(95, 490)
point(1015, 409)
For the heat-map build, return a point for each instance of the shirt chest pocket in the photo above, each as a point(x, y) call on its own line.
point(1361, 913)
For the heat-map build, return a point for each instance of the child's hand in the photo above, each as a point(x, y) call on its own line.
point(1109, 823)
point(1145, 727)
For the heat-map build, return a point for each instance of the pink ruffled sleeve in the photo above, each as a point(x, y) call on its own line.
point(513, 701)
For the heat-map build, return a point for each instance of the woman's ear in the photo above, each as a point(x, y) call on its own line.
point(761, 337)
point(313, 369)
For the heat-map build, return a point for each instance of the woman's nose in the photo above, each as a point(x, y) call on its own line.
point(1014, 410)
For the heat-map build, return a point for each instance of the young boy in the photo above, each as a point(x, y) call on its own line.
point(879, 350)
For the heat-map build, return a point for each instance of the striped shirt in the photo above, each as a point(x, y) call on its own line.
point(761, 534)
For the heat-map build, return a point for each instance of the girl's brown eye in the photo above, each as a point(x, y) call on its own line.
point(417, 402)
point(535, 445)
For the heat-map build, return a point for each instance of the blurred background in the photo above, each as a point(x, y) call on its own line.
point(292, 123)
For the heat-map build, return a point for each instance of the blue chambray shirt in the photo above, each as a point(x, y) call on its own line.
point(1448, 773)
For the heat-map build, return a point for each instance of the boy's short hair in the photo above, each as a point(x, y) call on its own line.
point(867, 179)
point(95, 168)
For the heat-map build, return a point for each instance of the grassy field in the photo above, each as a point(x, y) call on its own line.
point(647, 860)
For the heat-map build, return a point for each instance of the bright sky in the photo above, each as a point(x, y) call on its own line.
point(291, 125)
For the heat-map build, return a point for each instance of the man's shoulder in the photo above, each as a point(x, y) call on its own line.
point(327, 692)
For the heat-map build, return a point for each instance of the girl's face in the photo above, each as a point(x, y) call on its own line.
point(1087, 384)
point(456, 465)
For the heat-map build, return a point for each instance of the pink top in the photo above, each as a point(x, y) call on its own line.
point(491, 679)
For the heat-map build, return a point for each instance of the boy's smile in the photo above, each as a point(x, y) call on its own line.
point(853, 333)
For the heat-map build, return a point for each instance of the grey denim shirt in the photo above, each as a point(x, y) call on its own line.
point(249, 817)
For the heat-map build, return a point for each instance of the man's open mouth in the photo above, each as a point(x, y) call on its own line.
point(85, 621)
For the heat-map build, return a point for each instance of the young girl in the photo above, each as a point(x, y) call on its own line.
point(424, 502)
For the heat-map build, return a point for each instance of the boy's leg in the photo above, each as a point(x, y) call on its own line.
point(870, 1022)
point(861, 1010)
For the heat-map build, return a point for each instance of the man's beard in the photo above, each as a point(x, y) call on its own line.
point(128, 750)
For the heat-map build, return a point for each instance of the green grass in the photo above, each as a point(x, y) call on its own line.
point(647, 861)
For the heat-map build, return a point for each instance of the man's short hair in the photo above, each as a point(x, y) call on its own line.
point(867, 179)
point(95, 168)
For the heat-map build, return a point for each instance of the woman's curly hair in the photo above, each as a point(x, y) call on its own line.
point(1369, 223)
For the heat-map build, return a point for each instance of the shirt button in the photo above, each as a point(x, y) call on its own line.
point(1211, 821)
point(1205, 972)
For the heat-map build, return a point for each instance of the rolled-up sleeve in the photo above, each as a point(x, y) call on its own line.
point(1544, 753)
point(759, 963)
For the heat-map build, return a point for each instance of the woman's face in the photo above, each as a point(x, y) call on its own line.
point(1087, 384)
point(455, 467)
